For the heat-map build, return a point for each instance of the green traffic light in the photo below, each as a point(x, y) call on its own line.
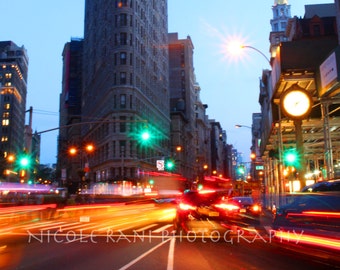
point(145, 135)
point(169, 164)
point(291, 157)
point(24, 162)
point(241, 169)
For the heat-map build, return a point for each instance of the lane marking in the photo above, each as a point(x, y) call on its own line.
point(144, 254)
point(162, 228)
point(171, 255)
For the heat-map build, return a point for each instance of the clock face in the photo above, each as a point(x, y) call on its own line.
point(296, 103)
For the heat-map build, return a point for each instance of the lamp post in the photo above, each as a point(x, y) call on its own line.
point(257, 50)
point(240, 126)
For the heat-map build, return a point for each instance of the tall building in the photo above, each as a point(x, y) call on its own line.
point(70, 112)
point(281, 15)
point(13, 85)
point(202, 143)
point(125, 87)
point(182, 104)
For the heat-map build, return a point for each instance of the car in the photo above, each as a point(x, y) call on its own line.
point(248, 207)
point(309, 224)
point(331, 185)
point(319, 210)
point(204, 211)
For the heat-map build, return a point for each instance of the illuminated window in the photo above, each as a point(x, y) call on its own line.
point(4, 138)
point(8, 84)
point(8, 75)
point(7, 106)
point(5, 122)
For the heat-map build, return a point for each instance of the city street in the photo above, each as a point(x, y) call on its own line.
point(141, 236)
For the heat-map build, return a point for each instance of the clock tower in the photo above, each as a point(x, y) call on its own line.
point(281, 15)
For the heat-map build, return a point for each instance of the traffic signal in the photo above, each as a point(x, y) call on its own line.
point(144, 137)
point(24, 162)
point(241, 169)
point(291, 157)
point(169, 164)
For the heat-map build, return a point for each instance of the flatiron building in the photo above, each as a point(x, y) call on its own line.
point(125, 87)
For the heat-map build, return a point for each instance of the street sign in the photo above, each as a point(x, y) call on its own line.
point(160, 164)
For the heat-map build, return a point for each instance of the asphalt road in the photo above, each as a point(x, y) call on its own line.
point(140, 236)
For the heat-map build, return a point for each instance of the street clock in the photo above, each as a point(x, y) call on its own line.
point(296, 103)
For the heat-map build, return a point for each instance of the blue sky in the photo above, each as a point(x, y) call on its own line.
point(229, 86)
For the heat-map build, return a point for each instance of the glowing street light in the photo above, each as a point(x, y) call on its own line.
point(236, 48)
point(240, 126)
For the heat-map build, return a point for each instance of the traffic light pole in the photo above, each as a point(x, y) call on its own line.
point(91, 122)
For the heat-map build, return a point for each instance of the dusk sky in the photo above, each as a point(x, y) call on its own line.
point(229, 85)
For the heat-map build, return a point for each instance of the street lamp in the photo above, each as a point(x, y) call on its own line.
point(240, 126)
point(253, 48)
point(235, 47)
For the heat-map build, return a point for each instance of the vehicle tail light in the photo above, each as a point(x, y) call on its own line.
point(185, 206)
point(228, 206)
point(256, 208)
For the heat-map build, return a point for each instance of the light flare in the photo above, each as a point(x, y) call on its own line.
point(308, 239)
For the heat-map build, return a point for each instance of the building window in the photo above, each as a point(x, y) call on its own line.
point(123, 38)
point(123, 78)
point(123, 101)
point(122, 124)
point(115, 59)
point(316, 30)
point(121, 3)
point(115, 102)
point(5, 122)
point(123, 19)
point(123, 58)
point(114, 124)
point(113, 148)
